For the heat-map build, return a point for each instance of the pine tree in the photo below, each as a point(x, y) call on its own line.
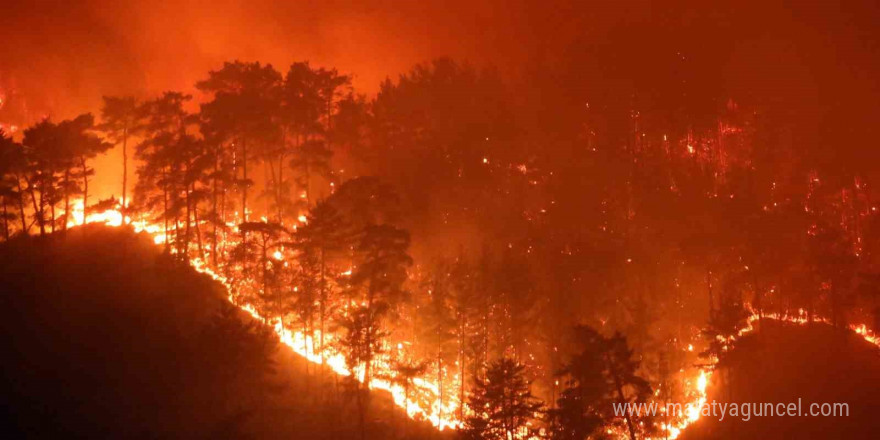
point(11, 166)
point(502, 404)
point(360, 343)
point(45, 160)
point(437, 326)
point(321, 242)
point(122, 118)
point(601, 375)
point(243, 114)
point(380, 272)
point(257, 255)
point(172, 161)
point(83, 145)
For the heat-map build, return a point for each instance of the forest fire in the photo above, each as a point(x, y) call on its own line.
point(440, 414)
point(304, 345)
point(433, 410)
point(605, 207)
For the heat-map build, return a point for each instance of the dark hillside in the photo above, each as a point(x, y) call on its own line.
point(104, 337)
point(782, 363)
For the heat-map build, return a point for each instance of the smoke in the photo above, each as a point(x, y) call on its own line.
point(62, 56)
point(57, 58)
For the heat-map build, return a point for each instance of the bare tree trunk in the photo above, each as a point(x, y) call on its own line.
point(308, 185)
point(322, 311)
point(85, 171)
point(24, 226)
point(711, 296)
point(67, 198)
point(621, 396)
point(216, 214)
point(244, 183)
point(5, 220)
point(197, 227)
point(279, 187)
point(223, 214)
point(165, 205)
point(124, 172)
point(369, 336)
point(52, 211)
point(38, 211)
point(461, 373)
point(440, 376)
point(186, 195)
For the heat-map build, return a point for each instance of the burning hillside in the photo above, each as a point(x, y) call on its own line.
point(106, 337)
point(598, 209)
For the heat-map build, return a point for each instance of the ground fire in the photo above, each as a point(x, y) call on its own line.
point(503, 220)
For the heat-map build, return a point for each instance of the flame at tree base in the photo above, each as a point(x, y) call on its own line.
point(304, 345)
point(699, 388)
point(440, 415)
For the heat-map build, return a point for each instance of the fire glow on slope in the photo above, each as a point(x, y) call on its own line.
point(440, 414)
point(699, 387)
point(304, 345)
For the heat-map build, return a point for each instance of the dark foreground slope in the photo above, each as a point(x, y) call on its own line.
point(782, 363)
point(103, 337)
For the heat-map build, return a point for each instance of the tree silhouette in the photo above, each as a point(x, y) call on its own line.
point(501, 403)
point(723, 327)
point(834, 265)
point(300, 113)
point(171, 164)
point(82, 142)
point(405, 373)
point(12, 164)
point(268, 237)
point(57, 155)
point(45, 158)
point(379, 275)
point(242, 113)
point(437, 326)
point(321, 242)
point(602, 374)
point(366, 200)
point(121, 119)
point(360, 342)
point(310, 159)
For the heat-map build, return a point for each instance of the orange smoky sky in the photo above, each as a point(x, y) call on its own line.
point(817, 60)
point(65, 55)
point(60, 57)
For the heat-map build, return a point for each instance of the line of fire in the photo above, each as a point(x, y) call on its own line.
point(640, 207)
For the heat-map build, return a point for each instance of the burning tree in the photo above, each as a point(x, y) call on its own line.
point(122, 118)
point(378, 279)
point(436, 324)
point(241, 115)
point(321, 242)
point(57, 157)
point(12, 164)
